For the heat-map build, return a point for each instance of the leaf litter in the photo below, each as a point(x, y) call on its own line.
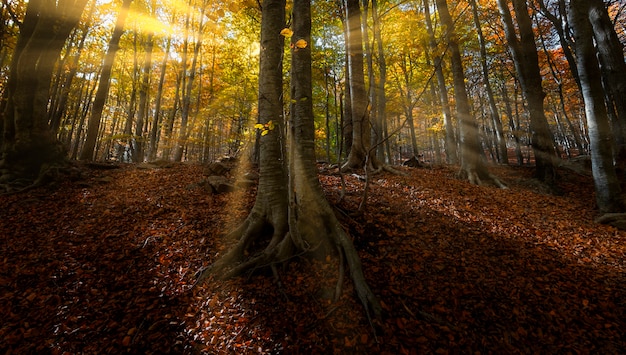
point(107, 264)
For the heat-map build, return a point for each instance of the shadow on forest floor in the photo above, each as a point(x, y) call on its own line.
point(105, 265)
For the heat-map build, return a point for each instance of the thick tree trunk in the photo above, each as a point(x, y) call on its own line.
point(607, 185)
point(29, 147)
point(93, 126)
point(524, 51)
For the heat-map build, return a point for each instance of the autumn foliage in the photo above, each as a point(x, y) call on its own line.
point(106, 264)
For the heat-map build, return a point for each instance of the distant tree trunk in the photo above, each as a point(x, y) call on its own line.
point(450, 145)
point(381, 98)
point(28, 145)
point(290, 211)
point(93, 126)
point(406, 95)
point(561, 29)
point(559, 81)
point(493, 109)
point(524, 51)
point(126, 152)
point(168, 129)
point(607, 184)
point(358, 94)
point(156, 122)
point(142, 115)
point(473, 166)
point(188, 82)
point(59, 107)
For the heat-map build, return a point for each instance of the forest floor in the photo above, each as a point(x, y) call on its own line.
point(106, 264)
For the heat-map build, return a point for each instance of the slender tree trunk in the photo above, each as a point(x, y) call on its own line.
point(142, 115)
point(559, 81)
point(156, 122)
point(188, 82)
point(381, 97)
point(493, 109)
point(59, 109)
point(607, 185)
point(450, 145)
point(561, 29)
point(103, 87)
point(358, 94)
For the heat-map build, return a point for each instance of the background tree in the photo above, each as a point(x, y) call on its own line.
point(450, 145)
point(103, 85)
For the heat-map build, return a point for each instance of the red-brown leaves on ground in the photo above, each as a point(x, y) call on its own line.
point(106, 265)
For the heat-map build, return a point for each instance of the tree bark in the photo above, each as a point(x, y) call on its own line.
point(611, 54)
point(524, 51)
point(358, 94)
point(473, 166)
point(29, 146)
point(607, 184)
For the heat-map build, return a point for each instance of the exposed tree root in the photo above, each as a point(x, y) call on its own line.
point(481, 178)
point(315, 231)
point(617, 220)
point(16, 183)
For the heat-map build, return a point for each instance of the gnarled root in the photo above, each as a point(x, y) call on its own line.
point(320, 233)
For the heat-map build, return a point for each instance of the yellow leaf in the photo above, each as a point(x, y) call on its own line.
point(270, 125)
point(258, 126)
point(264, 133)
point(286, 32)
point(301, 43)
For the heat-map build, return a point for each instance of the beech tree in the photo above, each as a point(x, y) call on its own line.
point(359, 114)
point(524, 51)
point(29, 146)
point(290, 214)
point(473, 166)
point(607, 184)
point(611, 54)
